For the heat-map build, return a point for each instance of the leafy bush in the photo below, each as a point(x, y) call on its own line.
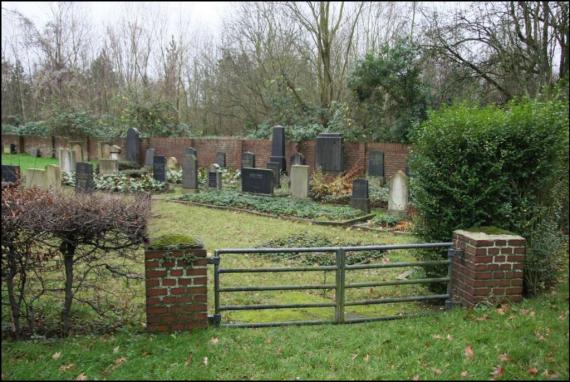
point(38, 128)
point(330, 188)
point(317, 258)
point(386, 220)
point(274, 205)
point(490, 166)
point(128, 165)
point(119, 183)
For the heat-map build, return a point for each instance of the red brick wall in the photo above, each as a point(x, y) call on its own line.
point(491, 268)
point(176, 290)
point(395, 156)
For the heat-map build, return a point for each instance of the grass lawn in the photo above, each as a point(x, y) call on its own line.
point(26, 161)
point(522, 341)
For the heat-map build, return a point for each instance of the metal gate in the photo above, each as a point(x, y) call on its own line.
point(339, 286)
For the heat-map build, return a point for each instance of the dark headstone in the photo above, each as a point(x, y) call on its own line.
point(190, 170)
point(159, 168)
point(329, 156)
point(214, 179)
point(278, 147)
point(360, 197)
point(10, 173)
point(248, 159)
point(149, 158)
point(191, 150)
point(257, 180)
point(276, 168)
point(298, 159)
point(221, 159)
point(376, 163)
point(13, 148)
point(36, 153)
point(84, 177)
point(133, 145)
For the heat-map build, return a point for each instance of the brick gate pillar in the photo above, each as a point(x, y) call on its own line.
point(490, 268)
point(176, 287)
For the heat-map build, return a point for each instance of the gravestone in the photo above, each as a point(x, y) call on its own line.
point(13, 148)
point(35, 177)
point(257, 180)
point(115, 152)
point(10, 174)
point(172, 163)
point(278, 147)
point(360, 198)
point(84, 177)
point(398, 199)
point(300, 181)
point(149, 158)
point(66, 160)
point(376, 163)
point(159, 168)
point(328, 152)
point(133, 145)
point(298, 159)
point(78, 152)
point(103, 150)
point(7, 149)
point(276, 168)
point(214, 177)
point(191, 151)
point(221, 159)
point(190, 170)
point(248, 159)
point(108, 167)
point(53, 177)
point(36, 153)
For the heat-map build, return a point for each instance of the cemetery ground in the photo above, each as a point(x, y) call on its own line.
point(518, 341)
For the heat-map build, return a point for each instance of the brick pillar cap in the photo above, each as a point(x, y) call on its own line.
point(484, 236)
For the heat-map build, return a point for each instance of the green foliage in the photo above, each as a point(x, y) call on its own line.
point(119, 183)
point(317, 258)
point(174, 242)
point(75, 125)
point(38, 128)
point(280, 206)
point(389, 93)
point(386, 220)
point(153, 119)
point(128, 165)
point(490, 166)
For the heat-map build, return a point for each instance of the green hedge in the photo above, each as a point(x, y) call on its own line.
point(492, 166)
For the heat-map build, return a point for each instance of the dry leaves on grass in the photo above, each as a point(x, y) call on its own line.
point(437, 371)
point(469, 353)
point(497, 372)
point(504, 357)
point(81, 377)
point(56, 355)
point(206, 361)
point(214, 340)
point(64, 368)
point(532, 370)
point(502, 309)
point(116, 350)
point(464, 374)
point(188, 360)
point(367, 358)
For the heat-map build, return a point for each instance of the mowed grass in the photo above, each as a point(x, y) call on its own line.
point(522, 341)
point(26, 161)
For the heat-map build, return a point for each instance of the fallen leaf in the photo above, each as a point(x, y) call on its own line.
point(215, 340)
point(206, 361)
point(497, 372)
point(367, 358)
point(437, 371)
point(416, 378)
point(437, 337)
point(188, 361)
point(56, 355)
point(354, 356)
point(464, 374)
point(484, 317)
point(449, 337)
point(502, 309)
point(116, 350)
point(81, 377)
point(532, 370)
point(469, 352)
point(504, 357)
point(268, 341)
point(64, 368)
point(550, 373)
point(119, 361)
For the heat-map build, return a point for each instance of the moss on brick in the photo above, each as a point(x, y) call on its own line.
point(174, 241)
point(490, 230)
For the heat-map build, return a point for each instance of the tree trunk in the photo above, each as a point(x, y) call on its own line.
point(14, 305)
point(68, 251)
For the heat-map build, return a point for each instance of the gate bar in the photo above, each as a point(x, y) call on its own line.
point(281, 269)
point(397, 299)
point(397, 282)
point(277, 287)
point(397, 265)
point(276, 306)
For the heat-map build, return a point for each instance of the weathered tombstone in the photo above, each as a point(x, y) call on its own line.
point(115, 152)
point(360, 198)
point(10, 174)
point(7, 149)
point(376, 164)
point(248, 159)
point(66, 160)
point(149, 158)
point(103, 150)
point(36, 153)
point(300, 181)
point(329, 156)
point(13, 148)
point(276, 168)
point(172, 163)
point(133, 145)
point(257, 180)
point(298, 159)
point(53, 177)
point(159, 168)
point(190, 170)
point(35, 177)
point(78, 152)
point(214, 177)
point(191, 150)
point(108, 167)
point(84, 177)
point(221, 159)
point(398, 200)
point(278, 147)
